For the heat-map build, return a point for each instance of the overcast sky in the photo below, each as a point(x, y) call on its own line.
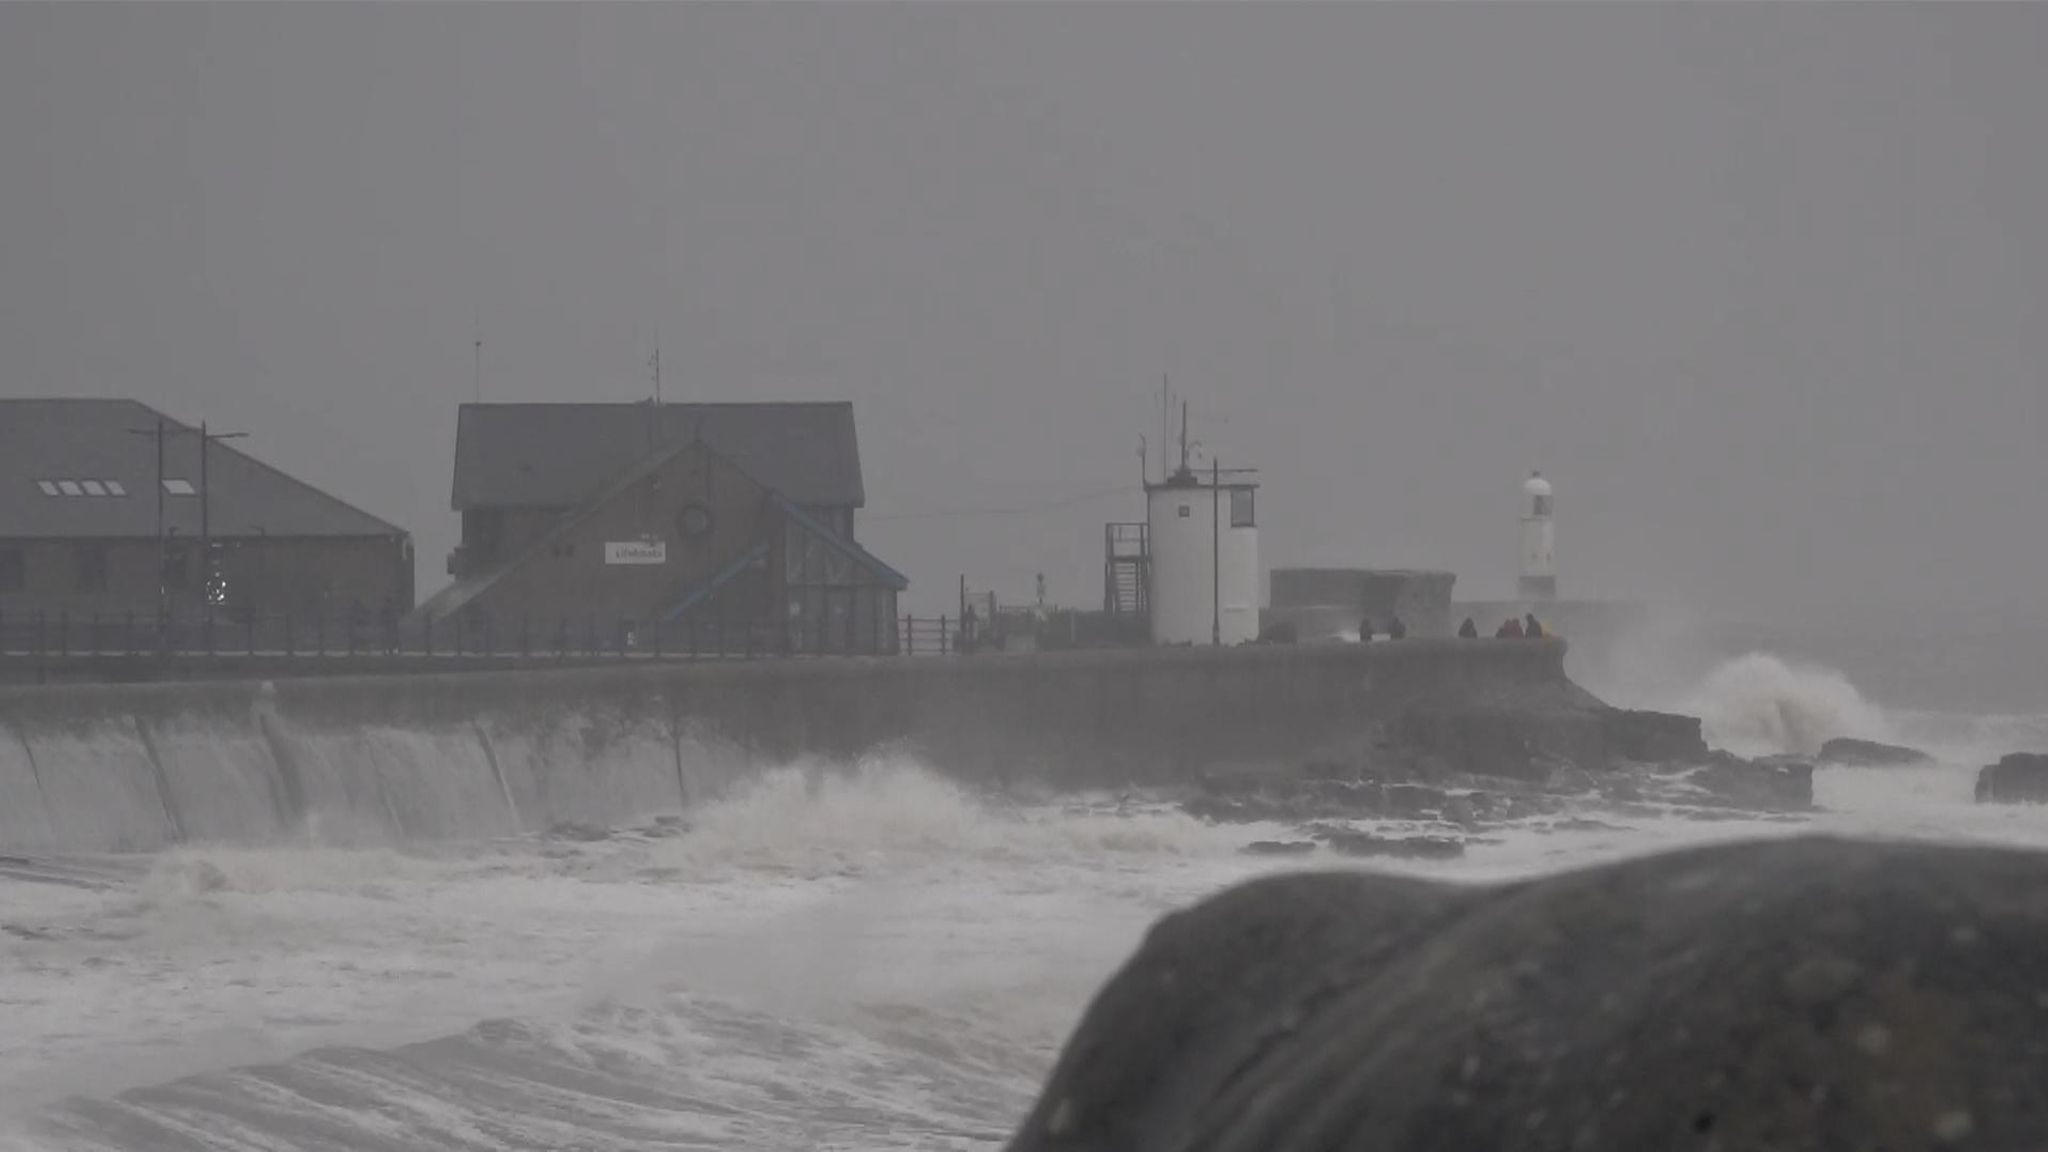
point(1764, 289)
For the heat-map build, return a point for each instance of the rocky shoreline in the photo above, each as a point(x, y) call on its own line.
point(1472, 769)
point(1432, 780)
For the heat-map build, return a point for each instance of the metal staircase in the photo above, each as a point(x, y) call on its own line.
point(1126, 570)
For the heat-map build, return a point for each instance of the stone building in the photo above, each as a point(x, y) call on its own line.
point(735, 519)
point(92, 524)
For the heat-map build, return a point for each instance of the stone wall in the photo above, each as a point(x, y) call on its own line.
point(461, 755)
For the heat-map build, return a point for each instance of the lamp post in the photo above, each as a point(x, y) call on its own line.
point(162, 593)
point(206, 438)
point(1216, 473)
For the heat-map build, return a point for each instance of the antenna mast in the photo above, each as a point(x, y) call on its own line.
point(477, 331)
point(1183, 435)
point(1165, 422)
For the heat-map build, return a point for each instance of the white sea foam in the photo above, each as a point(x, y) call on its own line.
point(1759, 704)
point(865, 955)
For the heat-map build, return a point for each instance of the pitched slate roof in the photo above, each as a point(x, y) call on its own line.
point(68, 442)
point(456, 596)
point(561, 455)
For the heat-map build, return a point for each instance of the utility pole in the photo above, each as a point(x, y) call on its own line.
point(163, 594)
point(1215, 550)
point(1216, 472)
point(206, 438)
point(1165, 422)
point(1183, 435)
point(654, 409)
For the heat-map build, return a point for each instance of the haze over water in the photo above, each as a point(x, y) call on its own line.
point(857, 956)
point(1760, 286)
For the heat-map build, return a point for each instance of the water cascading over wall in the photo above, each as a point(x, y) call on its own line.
point(463, 756)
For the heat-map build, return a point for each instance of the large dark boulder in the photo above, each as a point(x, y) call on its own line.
point(1514, 743)
point(2021, 778)
point(1845, 752)
point(1654, 737)
point(1771, 784)
point(1810, 994)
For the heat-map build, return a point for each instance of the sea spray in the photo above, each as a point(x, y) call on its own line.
point(813, 819)
point(1759, 704)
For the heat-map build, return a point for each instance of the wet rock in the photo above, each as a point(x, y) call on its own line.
point(1845, 752)
point(1413, 801)
point(1235, 781)
point(1582, 824)
point(1328, 770)
point(1500, 742)
point(1222, 809)
point(1654, 737)
point(1805, 994)
point(2020, 778)
point(581, 833)
point(1279, 848)
point(1772, 784)
point(1400, 847)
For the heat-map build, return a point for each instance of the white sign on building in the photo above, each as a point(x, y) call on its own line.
point(636, 552)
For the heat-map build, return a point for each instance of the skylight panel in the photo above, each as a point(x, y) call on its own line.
point(49, 487)
point(114, 488)
point(70, 488)
point(180, 487)
point(93, 487)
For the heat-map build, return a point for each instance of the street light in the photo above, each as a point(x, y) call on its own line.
point(205, 525)
point(206, 438)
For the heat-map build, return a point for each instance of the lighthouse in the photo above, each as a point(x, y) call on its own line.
point(1203, 553)
point(1539, 541)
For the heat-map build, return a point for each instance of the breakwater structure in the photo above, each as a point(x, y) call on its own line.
point(137, 767)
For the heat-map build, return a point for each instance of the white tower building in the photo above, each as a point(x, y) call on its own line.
point(1539, 541)
point(1204, 544)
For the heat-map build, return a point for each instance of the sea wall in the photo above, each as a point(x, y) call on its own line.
point(135, 767)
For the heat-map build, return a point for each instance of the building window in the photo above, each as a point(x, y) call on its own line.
point(92, 566)
point(1186, 511)
point(13, 570)
point(1241, 508)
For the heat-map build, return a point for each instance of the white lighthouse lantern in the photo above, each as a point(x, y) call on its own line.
point(1539, 541)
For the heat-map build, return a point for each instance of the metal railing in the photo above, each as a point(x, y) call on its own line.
point(45, 638)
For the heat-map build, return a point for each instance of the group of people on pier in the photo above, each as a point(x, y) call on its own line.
point(1526, 628)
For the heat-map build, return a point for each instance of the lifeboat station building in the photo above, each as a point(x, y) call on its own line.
point(733, 520)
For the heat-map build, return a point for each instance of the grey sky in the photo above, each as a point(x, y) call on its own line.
point(1764, 288)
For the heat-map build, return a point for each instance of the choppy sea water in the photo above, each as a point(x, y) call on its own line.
point(831, 956)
